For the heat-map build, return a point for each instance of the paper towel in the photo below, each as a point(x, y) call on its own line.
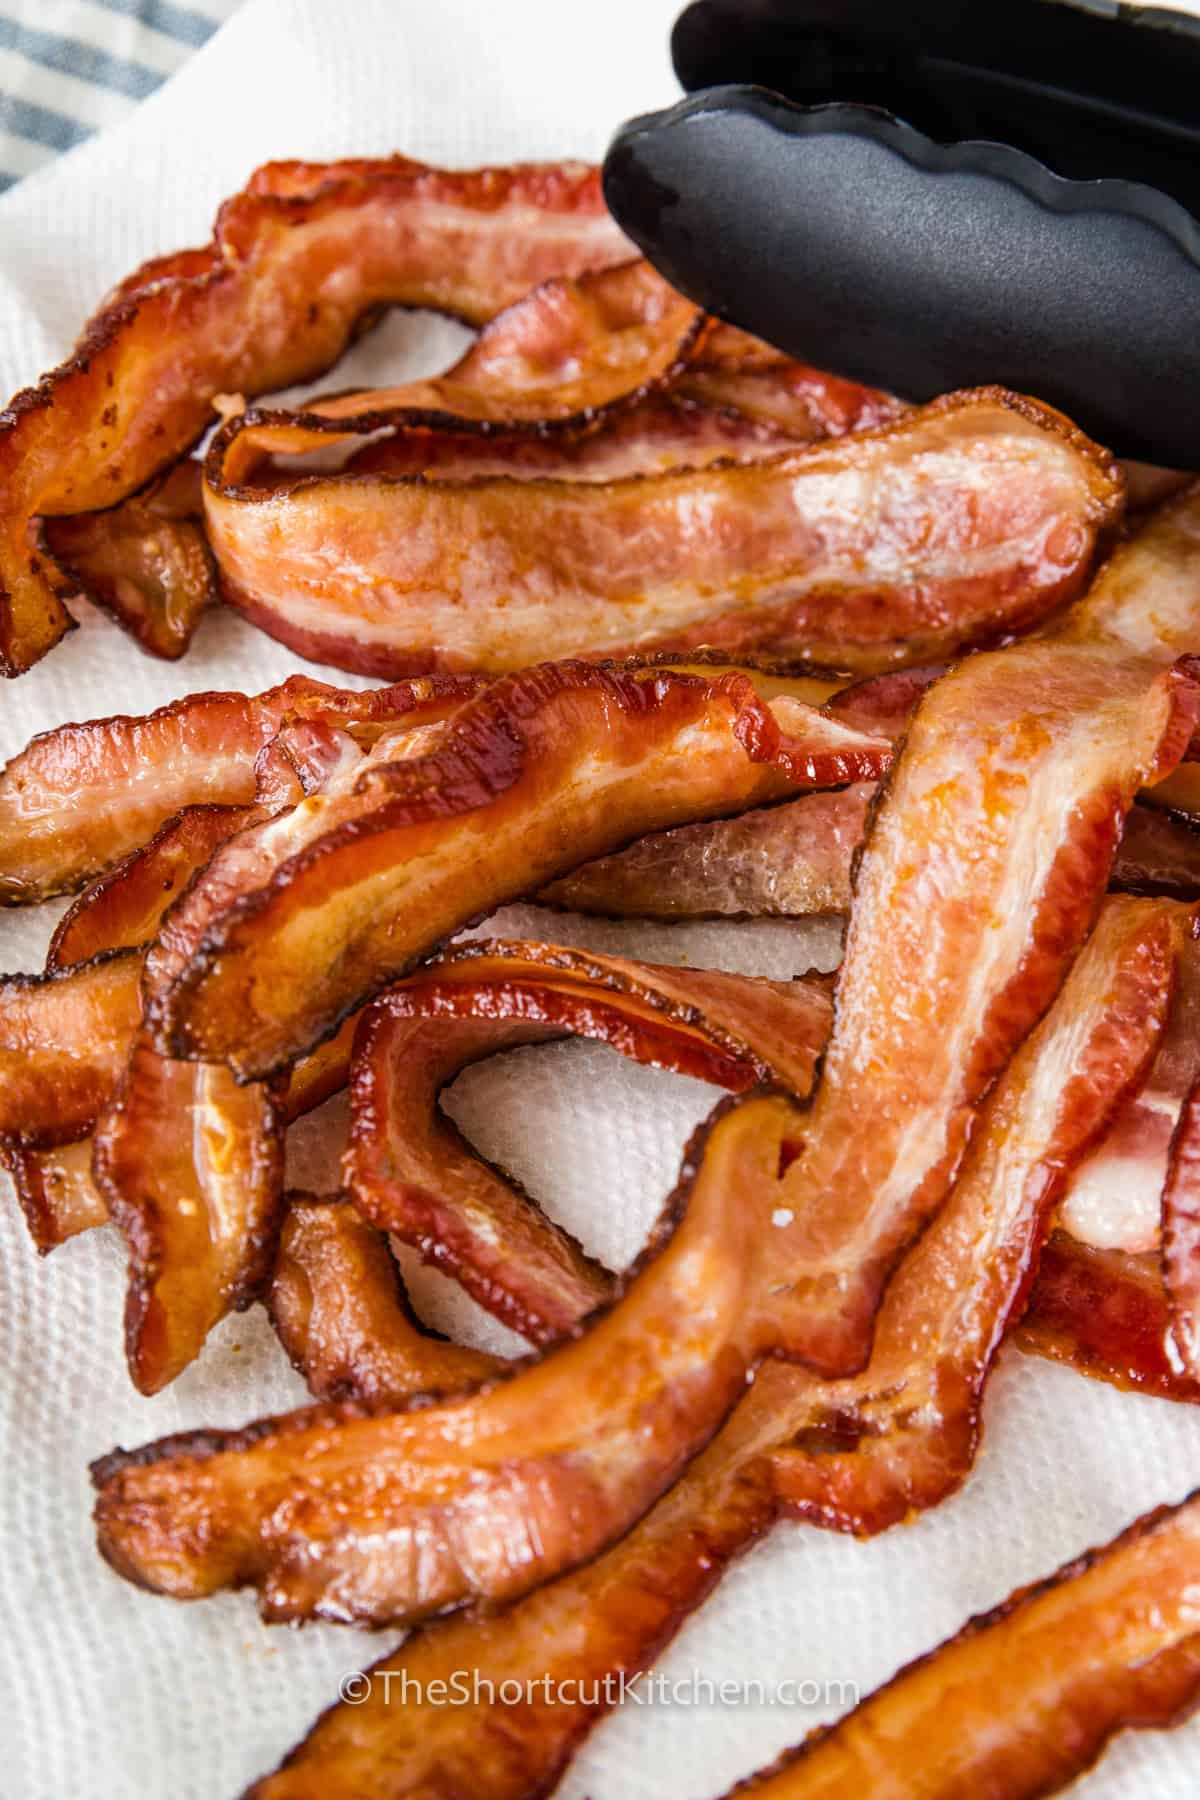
point(118, 1695)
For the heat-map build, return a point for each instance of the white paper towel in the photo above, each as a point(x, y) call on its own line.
point(114, 1694)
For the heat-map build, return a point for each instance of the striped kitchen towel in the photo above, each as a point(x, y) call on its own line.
point(70, 67)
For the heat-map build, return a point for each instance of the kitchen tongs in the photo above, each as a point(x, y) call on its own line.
point(925, 196)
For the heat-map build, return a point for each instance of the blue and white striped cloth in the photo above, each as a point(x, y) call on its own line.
point(70, 67)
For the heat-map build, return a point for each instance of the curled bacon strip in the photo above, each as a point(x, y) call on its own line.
point(410, 1173)
point(56, 1192)
point(123, 908)
point(63, 1042)
point(78, 799)
point(769, 557)
point(295, 262)
point(1108, 1642)
point(538, 772)
point(338, 1305)
point(190, 1166)
point(940, 1327)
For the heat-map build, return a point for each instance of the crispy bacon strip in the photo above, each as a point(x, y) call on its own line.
point(607, 376)
point(1107, 1643)
point(410, 1173)
point(147, 561)
point(786, 861)
point(79, 798)
point(190, 1166)
point(540, 771)
point(56, 1192)
point(123, 908)
point(794, 860)
point(562, 355)
point(940, 1326)
point(1105, 1313)
point(391, 575)
point(63, 1042)
point(273, 300)
point(337, 1302)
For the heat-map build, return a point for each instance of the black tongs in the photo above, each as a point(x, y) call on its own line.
point(926, 195)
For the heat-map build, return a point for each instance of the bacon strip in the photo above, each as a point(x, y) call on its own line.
point(1105, 1313)
point(963, 1280)
point(78, 799)
point(540, 771)
point(409, 1171)
point(190, 1166)
point(1115, 1199)
point(63, 1042)
point(147, 561)
point(123, 908)
point(338, 1305)
point(1108, 1642)
point(56, 1192)
point(794, 860)
point(273, 300)
point(888, 546)
point(562, 355)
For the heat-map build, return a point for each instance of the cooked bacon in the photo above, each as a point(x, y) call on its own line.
point(794, 860)
point(658, 434)
point(1114, 1200)
point(147, 561)
point(1107, 1643)
point(1159, 854)
point(409, 1171)
point(1001, 819)
point(122, 909)
point(735, 371)
point(787, 861)
point(78, 799)
point(56, 1192)
point(338, 1305)
point(64, 1038)
point(190, 1166)
point(1105, 1313)
point(940, 1326)
point(538, 772)
point(273, 300)
point(563, 355)
point(484, 1495)
point(886, 547)
point(903, 1434)
point(1181, 1233)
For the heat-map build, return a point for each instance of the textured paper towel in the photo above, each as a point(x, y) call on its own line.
point(111, 1693)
